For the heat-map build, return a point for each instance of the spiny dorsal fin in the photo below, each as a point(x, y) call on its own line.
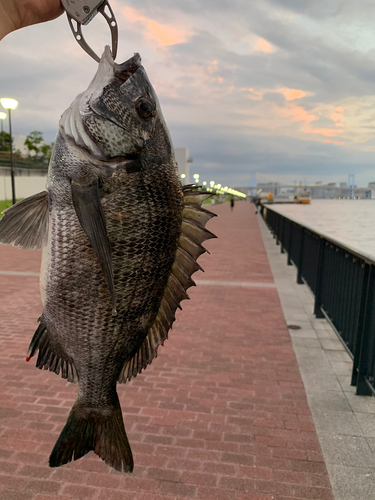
point(197, 214)
point(25, 224)
point(183, 276)
point(196, 231)
point(193, 233)
point(192, 248)
point(194, 196)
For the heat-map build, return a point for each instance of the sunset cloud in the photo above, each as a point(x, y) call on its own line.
point(292, 94)
point(297, 113)
point(164, 34)
point(325, 132)
point(262, 45)
point(338, 116)
point(331, 141)
point(254, 95)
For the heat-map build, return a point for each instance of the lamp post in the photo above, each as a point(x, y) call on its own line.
point(10, 104)
point(2, 118)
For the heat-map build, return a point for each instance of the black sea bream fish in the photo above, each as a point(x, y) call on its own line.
point(120, 239)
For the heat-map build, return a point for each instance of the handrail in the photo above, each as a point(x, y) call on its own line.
point(370, 259)
point(342, 279)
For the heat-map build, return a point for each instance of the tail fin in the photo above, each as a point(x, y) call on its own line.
point(92, 429)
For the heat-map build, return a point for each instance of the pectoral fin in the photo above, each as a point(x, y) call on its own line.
point(86, 201)
point(25, 224)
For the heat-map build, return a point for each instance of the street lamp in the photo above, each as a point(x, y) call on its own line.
point(10, 104)
point(2, 118)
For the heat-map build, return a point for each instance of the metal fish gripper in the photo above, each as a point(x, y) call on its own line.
point(81, 12)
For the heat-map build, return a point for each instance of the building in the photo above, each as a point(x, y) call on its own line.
point(183, 161)
point(371, 185)
point(19, 145)
point(270, 187)
point(319, 190)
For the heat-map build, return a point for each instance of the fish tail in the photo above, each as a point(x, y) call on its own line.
point(89, 429)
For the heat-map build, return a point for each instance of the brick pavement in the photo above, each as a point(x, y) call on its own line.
point(221, 414)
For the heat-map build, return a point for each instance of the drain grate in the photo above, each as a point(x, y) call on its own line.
point(294, 327)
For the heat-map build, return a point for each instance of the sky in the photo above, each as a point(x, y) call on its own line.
point(284, 89)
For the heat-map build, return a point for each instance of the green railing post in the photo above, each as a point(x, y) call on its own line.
point(300, 258)
point(282, 235)
point(359, 364)
point(289, 262)
point(319, 281)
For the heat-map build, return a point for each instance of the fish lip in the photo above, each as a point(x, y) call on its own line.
point(107, 55)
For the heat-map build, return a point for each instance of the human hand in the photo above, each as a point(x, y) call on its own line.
point(15, 14)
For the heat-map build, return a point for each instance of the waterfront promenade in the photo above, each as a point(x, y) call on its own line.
point(221, 414)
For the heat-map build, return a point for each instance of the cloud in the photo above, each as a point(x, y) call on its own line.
point(281, 86)
point(274, 97)
point(292, 94)
point(164, 34)
point(297, 113)
point(331, 141)
point(263, 46)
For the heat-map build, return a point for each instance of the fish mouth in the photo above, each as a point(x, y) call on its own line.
point(125, 70)
point(121, 71)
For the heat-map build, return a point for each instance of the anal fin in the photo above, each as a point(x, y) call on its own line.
point(48, 358)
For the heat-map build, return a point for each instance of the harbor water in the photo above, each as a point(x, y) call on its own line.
point(351, 222)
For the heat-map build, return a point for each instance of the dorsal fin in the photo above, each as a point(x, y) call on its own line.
point(193, 233)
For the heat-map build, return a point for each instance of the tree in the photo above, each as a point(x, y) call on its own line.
point(46, 150)
point(4, 141)
point(34, 142)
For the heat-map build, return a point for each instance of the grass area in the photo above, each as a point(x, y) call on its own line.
point(217, 199)
point(4, 204)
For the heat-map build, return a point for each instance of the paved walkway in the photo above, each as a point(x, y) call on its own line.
point(221, 414)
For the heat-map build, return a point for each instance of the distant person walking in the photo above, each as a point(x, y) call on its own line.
point(257, 204)
point(231, 203)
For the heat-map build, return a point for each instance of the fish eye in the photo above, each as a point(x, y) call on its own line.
point(145, 108)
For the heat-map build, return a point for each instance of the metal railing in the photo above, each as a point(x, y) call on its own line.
point(23, 167)
point(342, 281)
point(24, 172)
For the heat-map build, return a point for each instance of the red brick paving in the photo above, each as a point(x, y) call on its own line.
point(220, 415)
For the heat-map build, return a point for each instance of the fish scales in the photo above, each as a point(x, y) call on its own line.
point(120, 239)
point(143, 211)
